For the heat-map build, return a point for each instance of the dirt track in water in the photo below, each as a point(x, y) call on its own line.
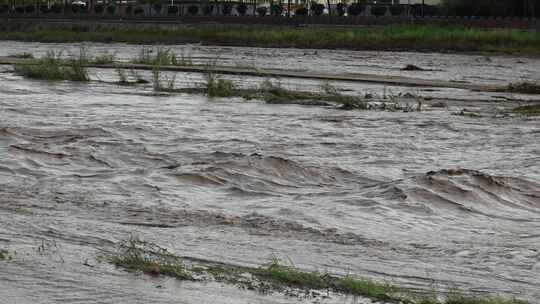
point(374, 193)
point(363, 78)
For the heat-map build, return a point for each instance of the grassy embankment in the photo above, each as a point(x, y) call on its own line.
point(151, 259)
point(390, 37)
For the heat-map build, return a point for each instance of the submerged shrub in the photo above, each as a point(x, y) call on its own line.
point(53, 67)
point(158, 56)
point(290, 275)
point(217, 86)
point(104, 58)
point(137, 255)
point(524, 87)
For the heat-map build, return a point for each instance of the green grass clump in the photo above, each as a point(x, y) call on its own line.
point(362, 287)
point(524, 87)
point(53, 67)
point(157, 56)
point(528, 110)
point(3, 254)
point(136, 255)
point(289, 275)
point(455, 298)
point(149, 258)
point(219, 87)
point(105, 58)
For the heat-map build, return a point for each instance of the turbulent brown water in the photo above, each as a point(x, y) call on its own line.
point(425, 200)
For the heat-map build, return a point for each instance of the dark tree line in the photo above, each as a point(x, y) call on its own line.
point(492, 8)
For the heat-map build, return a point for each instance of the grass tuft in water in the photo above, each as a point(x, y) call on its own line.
point(53, 67)
point(363, 287)
point(524, 87)
point(157, 56)
point(137, 255)
point(140, 256)
point(3, 254)
point(528, 110)
point(455, 298)
point(291, 276)
point(105, 58)
point(23, 55)
point(122, 77)
point(412, 67)
point(138, 78)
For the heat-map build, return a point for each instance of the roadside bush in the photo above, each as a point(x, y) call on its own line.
point(378, 11)
point(431, 10)
point(241, 9)
point(129, 10)
point(78, 9)
point(208, 9)
point(56, 8)
point(30, 9)
point(341, 8)
point(276, 9)
point(44, 9)
point(227, 8)
point(172, 10)
point(355, 9)
point(111, 9)
point(139, 11)
point(317, 9)
point(4, 8)
point(99, 9)
point(157, 7)
point(193, 10)
point(396, 10)
point(301, 11)
point(19, 10)
point(262, 10)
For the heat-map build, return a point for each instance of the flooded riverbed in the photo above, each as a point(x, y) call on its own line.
point(427, 200)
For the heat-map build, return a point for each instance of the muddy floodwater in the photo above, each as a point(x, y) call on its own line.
point(428, 200)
